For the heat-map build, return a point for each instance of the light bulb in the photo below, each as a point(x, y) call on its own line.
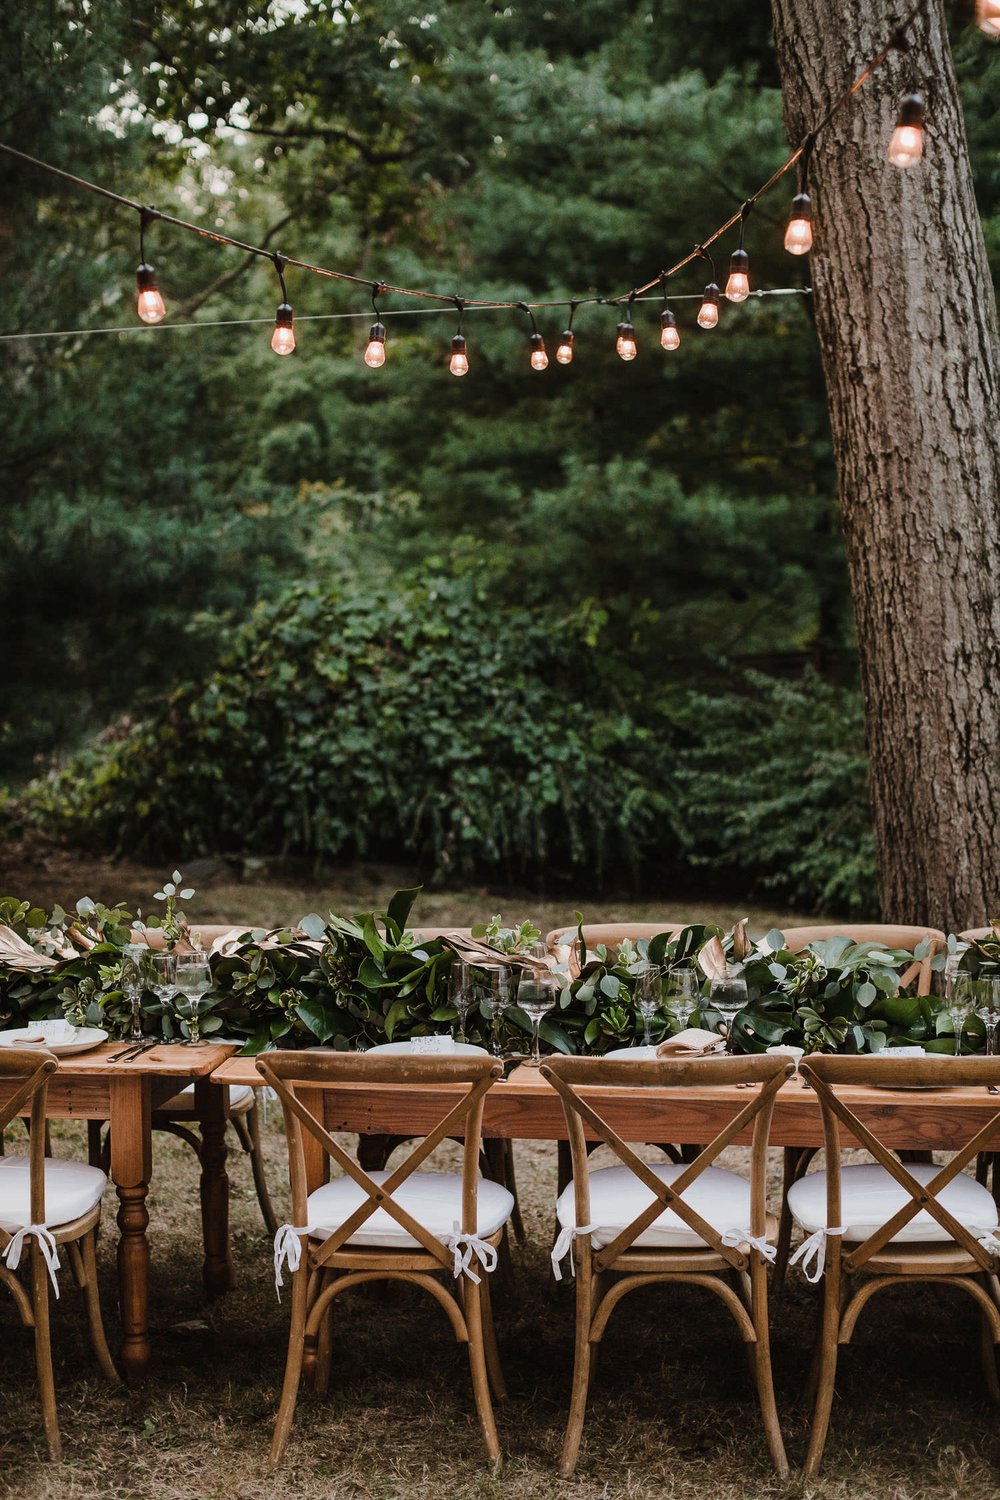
point(907, 144)
point(625, 346)
point(375, 350)
point(738, 285)
point(539, 358)
point(150, 304)
point(708, 312)
point(669, 336)
point(988, 17)
point(283, 337)
point(799, 234)
point(459, 359)
point(564, 354)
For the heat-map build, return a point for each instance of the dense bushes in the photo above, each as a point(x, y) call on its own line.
point(420, 721)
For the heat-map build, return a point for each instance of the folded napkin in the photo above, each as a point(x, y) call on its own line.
point(693, 1042)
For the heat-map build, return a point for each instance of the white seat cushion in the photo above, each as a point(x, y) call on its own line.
point(71, 1190)
point(434, 1199)
point(185, 1099)
point(869, 1196)
point(617, 1197)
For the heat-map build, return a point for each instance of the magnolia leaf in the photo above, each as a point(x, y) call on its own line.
point(741, 941)
point(15, 953)
point(712, 959)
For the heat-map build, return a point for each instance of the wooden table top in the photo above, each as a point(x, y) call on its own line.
point(165, 1060)
point(525, 1106)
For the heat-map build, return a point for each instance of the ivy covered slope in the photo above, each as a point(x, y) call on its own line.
point(353, 981)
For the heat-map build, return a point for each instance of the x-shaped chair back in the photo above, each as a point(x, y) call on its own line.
point(569, 1075)
point(299, 1078)
point(32, 1068)
point(828, 1075)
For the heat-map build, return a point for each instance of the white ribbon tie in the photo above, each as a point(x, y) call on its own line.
point(287, 1252)
point(46, 1243)
point(564, 1246)
point(464, 1247)
point(812, 1252)
point(735, 1238)
point(987, 1238)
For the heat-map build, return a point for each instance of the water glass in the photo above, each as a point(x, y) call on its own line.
point(729, 997)
point(135, 956)
point(682, 994)
point(492, 991)
point(988, 1011)
point(960, 1001)
point(649, 999)
point(537, 994)
point(462, 993)
point(193, 978)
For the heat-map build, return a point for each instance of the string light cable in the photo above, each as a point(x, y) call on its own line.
point(905, 150)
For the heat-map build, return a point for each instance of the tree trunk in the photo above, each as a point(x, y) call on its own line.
point(907, 324)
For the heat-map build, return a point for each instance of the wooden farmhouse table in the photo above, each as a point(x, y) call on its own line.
point(526, 1107)
point(88, 1086)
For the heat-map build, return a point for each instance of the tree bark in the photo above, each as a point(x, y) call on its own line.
point(907, 324)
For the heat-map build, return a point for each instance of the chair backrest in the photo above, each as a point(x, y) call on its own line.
point(829, 1075)
point(31, 1068)
point(425, 934)
point(299, 1079)
point(206, 933)
point(886, 933)
point(976, 934)
point(569, 1075)
point(564, 941)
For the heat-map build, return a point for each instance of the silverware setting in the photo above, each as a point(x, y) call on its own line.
point(128, 1053)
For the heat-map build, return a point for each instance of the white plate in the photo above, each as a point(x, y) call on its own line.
point(403, 1049)
point(84, 1039)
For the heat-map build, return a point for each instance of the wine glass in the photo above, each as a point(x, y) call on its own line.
point(729, 997)
point(960, 1002)
point(988, 1011)
point(462, 993)
point(682, 994)
point(537, 993)
point(133, 984)
point(648, 999)
point(193, 978)
point(164, 967)
point(491, 991)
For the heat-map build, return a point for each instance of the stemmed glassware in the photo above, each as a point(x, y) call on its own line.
point(649, 999)
point(537, 993)
point(729, 997)
point(960, 1001)
point(462, 994)
point(194, 980)
point(988, 1011)
point(491, 989)
point(133, 984)
point(681, 994)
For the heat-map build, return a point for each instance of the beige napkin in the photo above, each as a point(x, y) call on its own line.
point(693, 1042)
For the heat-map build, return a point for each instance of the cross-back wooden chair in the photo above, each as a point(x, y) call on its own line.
point(892, 1222)
point(694, 1223)
point(44, 1204)
point(919, 976)
point(436, 1230)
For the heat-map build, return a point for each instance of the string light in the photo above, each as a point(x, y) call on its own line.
point(708, 312)
point(149, 302)
point(670, 337)
point(459, 362)
point(375, 349)
point(738, 285)
point(564, 353)
point(283, 337)
point(799, 233)
point(907, 144)
point(539, 359)
point(988, 17)
point(625, 345)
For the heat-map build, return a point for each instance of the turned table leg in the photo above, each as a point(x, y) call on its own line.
point(131, 1165)
point(211, 1105)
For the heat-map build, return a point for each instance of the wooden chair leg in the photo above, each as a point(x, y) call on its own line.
point(796, 1163)
point(493, 1365)
point(826, 1369)
point(43, 1351)
point(95, 1321)
point(764, 1377)
point(510, 1183)
point(293, 1366)
point(95, 1148)
point(581, 1366)
point(324, 1343)
point(248, 1130)
point(473, 1306)
point(988, 1352)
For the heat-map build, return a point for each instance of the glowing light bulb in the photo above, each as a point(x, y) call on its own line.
point(669, 336)
point(708, 312)
point(564, 354)
point(907, 144)
point(738, 285)
point(459, 358)
point(150, 304)
point(375, 350)
point(799, 234)
point(625, 347)
point(988, 17)
point(539, 358)
point(283, 337)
